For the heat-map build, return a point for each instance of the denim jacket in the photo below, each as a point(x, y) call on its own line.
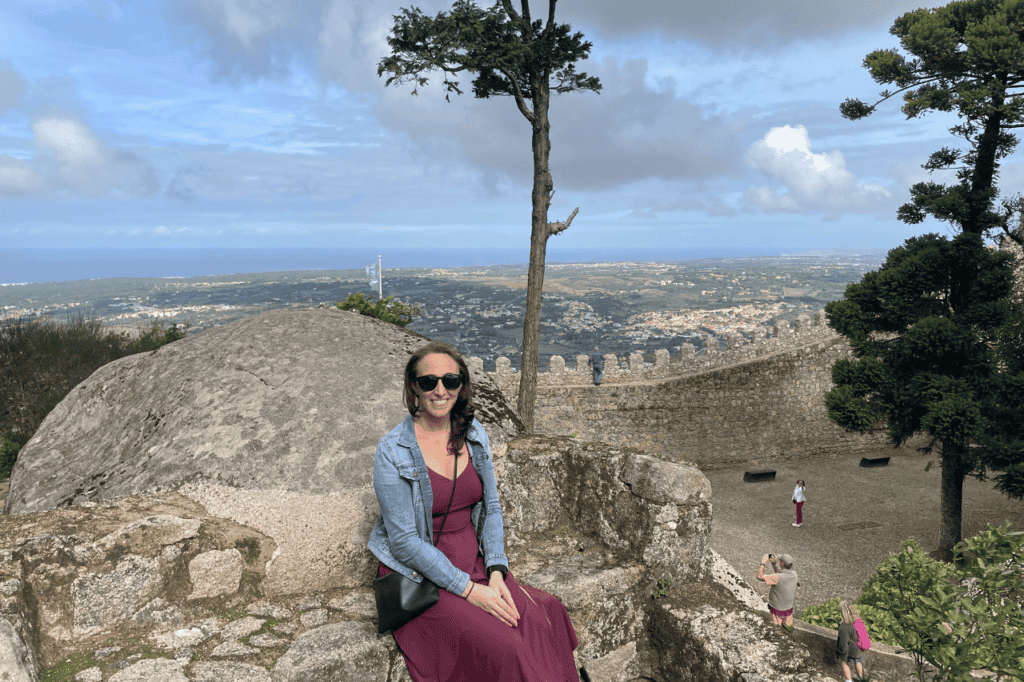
point(403, 534)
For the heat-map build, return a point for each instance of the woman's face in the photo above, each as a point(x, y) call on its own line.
point(438, 402)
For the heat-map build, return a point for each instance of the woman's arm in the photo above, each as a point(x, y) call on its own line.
point(492, 534)
point(393, 484)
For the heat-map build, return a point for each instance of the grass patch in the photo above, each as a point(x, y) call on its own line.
point(249, 548)
point(66, 670)
point(664, 585)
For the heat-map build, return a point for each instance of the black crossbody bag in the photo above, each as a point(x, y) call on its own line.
point(400, 599)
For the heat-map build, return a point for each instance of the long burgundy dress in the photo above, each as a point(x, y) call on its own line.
point(454, 641)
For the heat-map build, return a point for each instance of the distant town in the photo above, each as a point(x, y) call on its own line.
point(617, 307)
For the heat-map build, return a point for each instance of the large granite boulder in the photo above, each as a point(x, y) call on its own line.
point(270, 421)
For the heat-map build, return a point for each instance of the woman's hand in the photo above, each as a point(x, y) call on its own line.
point(497, 582)
point(495, 600)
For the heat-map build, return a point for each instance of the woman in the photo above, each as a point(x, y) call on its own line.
point(846, 646)
point(798, 500)
point(486, 626)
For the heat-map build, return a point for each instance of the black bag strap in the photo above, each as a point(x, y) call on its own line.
point(450, 499)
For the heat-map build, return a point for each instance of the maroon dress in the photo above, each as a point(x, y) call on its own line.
point(454, 641)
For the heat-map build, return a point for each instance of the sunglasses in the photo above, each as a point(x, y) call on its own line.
point(428, 382)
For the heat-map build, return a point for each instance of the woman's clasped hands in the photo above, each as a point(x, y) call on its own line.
point(495, 599)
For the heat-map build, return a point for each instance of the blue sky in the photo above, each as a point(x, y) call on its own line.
point(262, 123)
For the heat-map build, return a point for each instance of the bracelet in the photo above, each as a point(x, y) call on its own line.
point(471, 585)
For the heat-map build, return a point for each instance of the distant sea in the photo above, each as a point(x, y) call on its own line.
point(19, 266)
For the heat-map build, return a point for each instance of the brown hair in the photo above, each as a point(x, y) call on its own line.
point(462, 412)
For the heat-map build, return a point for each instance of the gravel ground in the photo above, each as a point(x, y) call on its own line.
point(901, 500)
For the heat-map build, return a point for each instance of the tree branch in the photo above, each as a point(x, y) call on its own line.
point(510, 10)
point(527, 22)
point(558, 228)
point(520, 100)
point(551, 18)
point(1016, 235)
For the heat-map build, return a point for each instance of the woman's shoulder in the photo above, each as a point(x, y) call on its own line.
point(477, 432)
point(400, 434)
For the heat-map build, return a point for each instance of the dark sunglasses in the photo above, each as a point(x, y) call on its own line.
point(428, 382)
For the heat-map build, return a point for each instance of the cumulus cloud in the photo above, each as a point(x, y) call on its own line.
point(353, 39)
point(811, 182)
point(627, 133)
point(17, 178)
point(247, 39)
point(83, 163)
point(253, 38)
point(738, 24)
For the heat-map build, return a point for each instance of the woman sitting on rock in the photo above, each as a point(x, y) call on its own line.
point(435, 469)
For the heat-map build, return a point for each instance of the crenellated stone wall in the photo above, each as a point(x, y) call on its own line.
point(632, 368)
point(759, 401)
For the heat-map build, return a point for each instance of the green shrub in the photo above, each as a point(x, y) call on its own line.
point(8, 454)
point(956, 617)
point(42, 359)
point(878, 621)
point(158, 335)
point(386, 309)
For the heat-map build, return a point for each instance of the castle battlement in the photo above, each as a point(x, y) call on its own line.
point(762, 341)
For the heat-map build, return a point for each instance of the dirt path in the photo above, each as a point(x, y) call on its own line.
point(854, 517)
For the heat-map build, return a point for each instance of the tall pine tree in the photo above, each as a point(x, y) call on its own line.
point(928, 328)
point(508, 53)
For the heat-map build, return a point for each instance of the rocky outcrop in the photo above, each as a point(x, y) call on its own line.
point(291, 400)
point(159, 587)
point(201, 513)
point(657, 512)
point(270, 421)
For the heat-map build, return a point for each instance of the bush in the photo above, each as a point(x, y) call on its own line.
point(878, 621)
point(42, 359)
point(956, 617)
point(8, 454)
point(386, 309)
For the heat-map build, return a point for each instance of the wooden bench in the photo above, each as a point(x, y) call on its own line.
point(874, 461)
point(755, 475)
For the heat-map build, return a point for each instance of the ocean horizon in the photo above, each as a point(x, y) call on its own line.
point(38, 265)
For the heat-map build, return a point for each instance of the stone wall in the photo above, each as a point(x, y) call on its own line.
point(758, 342)
point(760, 400)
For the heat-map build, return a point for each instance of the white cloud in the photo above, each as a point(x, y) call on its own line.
point(85, 164)
point(627, 133)
point(353, 39)
point(811, 182)
point(740, 25)
point(17, 178)
point(248, 39)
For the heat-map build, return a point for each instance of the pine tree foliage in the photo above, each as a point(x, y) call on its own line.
point(932, 331)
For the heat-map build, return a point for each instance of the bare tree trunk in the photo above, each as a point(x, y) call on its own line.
point(542, 187)
point(951, 502)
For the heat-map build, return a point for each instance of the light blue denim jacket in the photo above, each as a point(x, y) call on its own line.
point(403, 534)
